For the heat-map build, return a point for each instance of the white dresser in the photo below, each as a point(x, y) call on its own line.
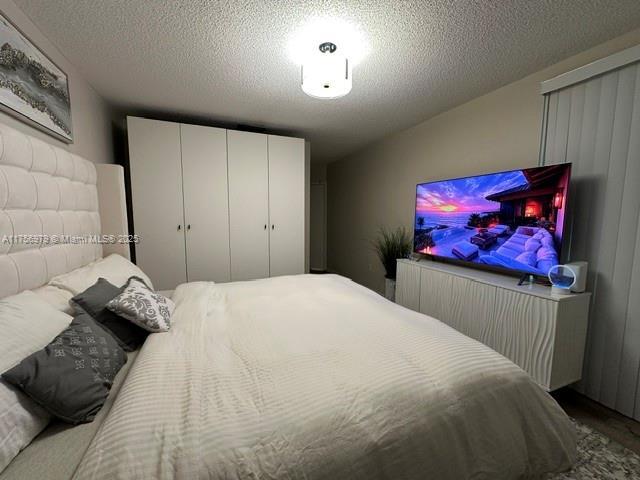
point(544, 334)
point(216, 204)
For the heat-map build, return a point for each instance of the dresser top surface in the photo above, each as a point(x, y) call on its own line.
point(495, 279)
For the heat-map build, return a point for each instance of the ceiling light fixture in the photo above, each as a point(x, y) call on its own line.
point(326, 74)
point(327, 50)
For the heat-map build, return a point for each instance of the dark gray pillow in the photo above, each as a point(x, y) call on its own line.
point(94, 300)
point(71, 377)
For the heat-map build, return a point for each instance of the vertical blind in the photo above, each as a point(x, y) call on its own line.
point(595, 125)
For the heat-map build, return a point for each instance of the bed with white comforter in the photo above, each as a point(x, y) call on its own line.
point(314, 377)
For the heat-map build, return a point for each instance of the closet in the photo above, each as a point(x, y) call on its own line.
point(215, 204)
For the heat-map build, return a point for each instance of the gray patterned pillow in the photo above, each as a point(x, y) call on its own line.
point(71, 377)
point(94, 301)
point(142, 306)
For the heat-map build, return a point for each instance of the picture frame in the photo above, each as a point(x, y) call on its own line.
point(32, 87)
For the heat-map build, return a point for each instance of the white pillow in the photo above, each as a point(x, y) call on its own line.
point(546, 253)
point(528, 257)
point(114, 268)
point(27, 324)
point(58, 298)
point(21, 419)
point(547, 241)
point(532, 245)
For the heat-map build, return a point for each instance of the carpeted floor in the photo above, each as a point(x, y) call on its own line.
point(600, 458)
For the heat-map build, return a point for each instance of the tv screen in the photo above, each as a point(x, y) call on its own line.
point(508, 220)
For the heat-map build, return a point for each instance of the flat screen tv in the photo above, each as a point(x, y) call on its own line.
point(512, 221)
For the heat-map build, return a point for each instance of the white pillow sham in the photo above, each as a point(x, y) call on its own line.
point(21, 419)
point(114, 268)
point(58, 298)
point(27, 324)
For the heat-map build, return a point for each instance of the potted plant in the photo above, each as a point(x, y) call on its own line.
point(390, 245)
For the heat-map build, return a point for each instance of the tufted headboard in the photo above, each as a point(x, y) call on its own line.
point(44, 191)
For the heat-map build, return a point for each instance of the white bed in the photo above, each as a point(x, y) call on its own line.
point(314, 377)
point(306, 377)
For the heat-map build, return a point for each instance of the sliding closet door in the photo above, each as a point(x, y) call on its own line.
point(206, 204)
point(156, 195)
point(286, 205)
point(248, 205)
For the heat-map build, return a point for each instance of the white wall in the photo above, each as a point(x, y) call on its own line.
point(90, 114)
point(376, 186)
point(318, 217)
point(318, 172)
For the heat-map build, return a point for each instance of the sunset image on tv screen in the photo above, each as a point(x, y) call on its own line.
point(510, 220)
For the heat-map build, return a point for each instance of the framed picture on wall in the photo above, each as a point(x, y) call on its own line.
point(32, 87)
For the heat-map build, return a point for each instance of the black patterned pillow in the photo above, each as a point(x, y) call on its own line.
point(72, 376)
point(142, 306)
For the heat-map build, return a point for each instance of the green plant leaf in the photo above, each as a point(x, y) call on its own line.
point(390, 245)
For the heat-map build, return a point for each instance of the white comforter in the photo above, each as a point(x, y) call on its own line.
point(314, 377)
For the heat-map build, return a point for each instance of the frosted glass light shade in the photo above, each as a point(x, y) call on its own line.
point(326, 75)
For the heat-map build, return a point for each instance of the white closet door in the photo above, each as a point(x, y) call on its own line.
point(156, 194)
point(286, 205)
point(248, 205)
point(206, 202)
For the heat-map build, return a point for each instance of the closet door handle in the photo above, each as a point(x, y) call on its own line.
point(179, 227)
point(273, 227)
point(265, 226)
point(189, 227)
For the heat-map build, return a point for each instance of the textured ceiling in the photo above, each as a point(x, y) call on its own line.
point(226, 62)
